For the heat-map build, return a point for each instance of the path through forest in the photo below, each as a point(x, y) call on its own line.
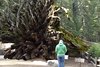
point(39, 63)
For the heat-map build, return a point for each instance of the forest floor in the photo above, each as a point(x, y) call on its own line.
point(39, 63)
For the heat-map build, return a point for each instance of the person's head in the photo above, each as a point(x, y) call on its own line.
point(60, 41)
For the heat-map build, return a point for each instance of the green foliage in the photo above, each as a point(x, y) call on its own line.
point(7, 17)
point(95, 50)
point(82, 18)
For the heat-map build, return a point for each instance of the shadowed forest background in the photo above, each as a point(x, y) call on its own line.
point(35, 26)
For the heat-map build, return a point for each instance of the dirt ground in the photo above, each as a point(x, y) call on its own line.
point(40, 63)
point(71, 63)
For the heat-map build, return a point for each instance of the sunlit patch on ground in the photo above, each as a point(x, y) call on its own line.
point(21, 62)
point(39, 63)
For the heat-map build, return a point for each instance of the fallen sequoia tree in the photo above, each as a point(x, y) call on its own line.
point(35, 26)
point(34, 23)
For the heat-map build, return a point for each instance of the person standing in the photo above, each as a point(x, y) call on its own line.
point(60, 51)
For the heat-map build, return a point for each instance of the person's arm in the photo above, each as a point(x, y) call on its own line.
point(65, 49)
